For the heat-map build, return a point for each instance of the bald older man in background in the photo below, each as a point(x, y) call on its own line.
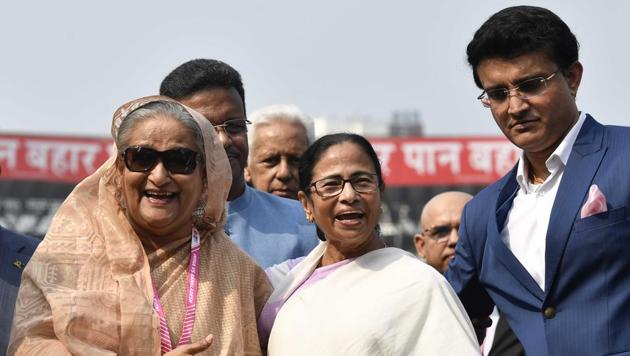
point(279, 136)
point(439, 222)
point(436, 243)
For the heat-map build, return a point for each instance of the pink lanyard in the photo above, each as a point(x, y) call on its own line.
point(191, 299)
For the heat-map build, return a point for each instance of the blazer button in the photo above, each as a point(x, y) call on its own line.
point(549, 312)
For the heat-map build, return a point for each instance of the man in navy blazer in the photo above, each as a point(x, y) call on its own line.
point(549, 243)
point(15, 252)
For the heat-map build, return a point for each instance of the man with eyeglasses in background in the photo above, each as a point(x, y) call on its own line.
point(269, 228)
point(435, 244)
point(549, 243)
point(439, 221)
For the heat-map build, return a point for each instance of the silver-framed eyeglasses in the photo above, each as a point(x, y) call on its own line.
point(333, 186)
point(233, 127)
point(524, 90)
point(440, 233)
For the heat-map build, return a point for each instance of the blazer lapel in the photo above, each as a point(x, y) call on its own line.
point(503, 253)
point(586, 156)
point(15, 256)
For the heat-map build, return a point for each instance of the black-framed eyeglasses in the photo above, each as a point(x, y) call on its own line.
point(440, 233)
point(333, 186)
point(233, 127)
point(524, 90)
point(176, 161)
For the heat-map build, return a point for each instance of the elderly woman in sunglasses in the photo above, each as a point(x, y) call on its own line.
point(136, 261)
point(352, 295)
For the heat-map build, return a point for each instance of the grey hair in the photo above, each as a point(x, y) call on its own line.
point(285, 113)
point(150, 110)
point(176, 111)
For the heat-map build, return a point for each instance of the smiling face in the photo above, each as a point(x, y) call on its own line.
point(219, 105)
point(274, 160)
point(159, 203)
point(349, 219)
point(537, 124)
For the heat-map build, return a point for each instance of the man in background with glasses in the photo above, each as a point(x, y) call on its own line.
point(549, 243)
point(439, 221)
point(269, 228)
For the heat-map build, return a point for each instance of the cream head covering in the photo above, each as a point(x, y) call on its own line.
point(218, 171)
point(89, 280)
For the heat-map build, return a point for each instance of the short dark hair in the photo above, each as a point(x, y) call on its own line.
point(519, 30)
point(314, 152)
point(199, 74)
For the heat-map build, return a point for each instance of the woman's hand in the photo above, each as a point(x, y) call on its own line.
point(191, 349)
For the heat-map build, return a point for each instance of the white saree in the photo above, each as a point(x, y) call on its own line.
point(386, 302)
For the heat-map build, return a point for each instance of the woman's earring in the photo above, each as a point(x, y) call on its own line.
point(200, 211)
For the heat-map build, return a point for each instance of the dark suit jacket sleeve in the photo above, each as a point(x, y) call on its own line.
point(463, 270)
point(15, 252)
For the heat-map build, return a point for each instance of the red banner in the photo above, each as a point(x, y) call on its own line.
point(51, 158)
point(444, 161)
point(406, 161)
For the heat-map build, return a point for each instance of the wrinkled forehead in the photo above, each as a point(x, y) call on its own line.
point(279, 135)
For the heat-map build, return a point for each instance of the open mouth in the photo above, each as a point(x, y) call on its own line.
point(350, 217)
point(159, 197)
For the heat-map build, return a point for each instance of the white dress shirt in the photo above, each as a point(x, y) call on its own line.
point(525, 228)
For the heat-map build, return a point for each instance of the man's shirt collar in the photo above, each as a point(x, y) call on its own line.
point(556, 161)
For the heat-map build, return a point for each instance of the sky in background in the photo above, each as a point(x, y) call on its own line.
point(65, 66)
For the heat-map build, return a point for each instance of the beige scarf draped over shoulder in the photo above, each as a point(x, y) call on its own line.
point(87, 289)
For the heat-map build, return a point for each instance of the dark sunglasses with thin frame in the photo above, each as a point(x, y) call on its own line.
point(177, 160)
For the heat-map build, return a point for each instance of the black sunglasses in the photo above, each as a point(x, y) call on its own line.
point(177, 161)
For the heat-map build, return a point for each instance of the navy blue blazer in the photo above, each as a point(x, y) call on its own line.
point(15, 252)
point(585, 308)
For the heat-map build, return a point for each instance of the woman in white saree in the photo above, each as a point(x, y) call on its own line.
point(352, 295)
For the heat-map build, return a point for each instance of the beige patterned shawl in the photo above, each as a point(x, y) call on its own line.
point(87, 289)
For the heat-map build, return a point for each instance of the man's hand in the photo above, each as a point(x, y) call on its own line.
point(191, 349)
